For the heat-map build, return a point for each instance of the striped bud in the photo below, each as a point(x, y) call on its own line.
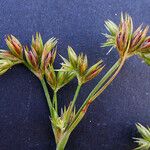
point(31, 58)
point(49, 53)
point(123, 35)
point(4, 54)
point(48, 59)
point(93, 71)
point(82, 64)
point(14, 45)
point(51, 77)
point(37, 44)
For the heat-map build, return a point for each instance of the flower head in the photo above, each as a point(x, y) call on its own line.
point(57, 79)
point(79, 66)
point(40, 55)
point(126, 41)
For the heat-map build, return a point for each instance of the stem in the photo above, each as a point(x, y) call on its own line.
point(123, 59)
point(55, 101)
point(100, 83)
point(108, 82)
point(63, 141)
point(47, 95)
point(75, 96)
point(73, 102)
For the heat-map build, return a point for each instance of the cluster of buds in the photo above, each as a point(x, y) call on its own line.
point(37, 58)
point(40, 55)
point(125, 40)
point(12, 57)
point(57, 79)
point(61, 123)
point(79, 66)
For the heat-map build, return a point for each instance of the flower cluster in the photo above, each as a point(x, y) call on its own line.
point(39, 59)
point(79, 66)
point(36, 58)
point(58, 79)
point(127, 41)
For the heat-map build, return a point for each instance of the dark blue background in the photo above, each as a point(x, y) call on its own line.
point(110, 121)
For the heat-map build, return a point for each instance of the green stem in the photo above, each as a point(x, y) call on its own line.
point(100, 83)
point(73, 102)
point(103, 80)
point(55, 101)
point(47, 95)
point(75, 96)
point(63, 141)
point(42, 80)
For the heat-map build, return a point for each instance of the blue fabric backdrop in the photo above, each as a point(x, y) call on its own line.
point(110, 121)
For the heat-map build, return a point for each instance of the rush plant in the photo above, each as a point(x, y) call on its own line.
point(39, 58)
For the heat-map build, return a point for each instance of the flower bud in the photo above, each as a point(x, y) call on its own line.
point(63, 78)
point(49, 53)
point(72, 56)
point(111, 27)
point(50, 44)
point(145, 57)
point(4, 54)
point(93, 71)
point(37, 44)
point(5, 65)
point(51, 77)
point(82, 64)
point(32, 58)
point(49, 59)
point(138, 39)
point(14, 45)
point(123, 35)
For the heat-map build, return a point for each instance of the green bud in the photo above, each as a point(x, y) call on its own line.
point(63, 78)
point(50, 44)
point(5, 65)
point(145, 57)
point(93, 71)
point(37, 44)
point(82, 64)
point(51, 77)
point(72, 56)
